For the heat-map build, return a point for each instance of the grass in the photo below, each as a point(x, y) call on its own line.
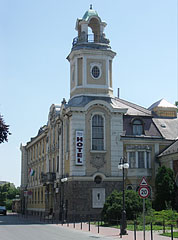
point(175, 234)
point(148, 227)
point(130, 227)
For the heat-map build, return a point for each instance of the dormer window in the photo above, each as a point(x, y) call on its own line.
point(137, 126)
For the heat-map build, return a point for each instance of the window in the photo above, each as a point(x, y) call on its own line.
point(95, 72)
point(129, 187)
point(98, 179)
point(42, 195)
point(141, 163)
point(148, 163)
point(137, 127)
point(132, 160)
point(139, 158)
point(57, 164)
point(97, 133)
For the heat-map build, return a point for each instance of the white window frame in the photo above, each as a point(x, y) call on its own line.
point(146, 165)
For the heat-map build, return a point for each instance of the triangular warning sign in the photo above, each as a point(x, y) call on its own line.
point(143, 182)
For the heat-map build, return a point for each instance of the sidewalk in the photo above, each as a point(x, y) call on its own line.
point(114, 233)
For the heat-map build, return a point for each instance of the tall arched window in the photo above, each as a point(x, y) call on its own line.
point(97, 132)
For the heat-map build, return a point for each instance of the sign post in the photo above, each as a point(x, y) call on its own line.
point(144, 192)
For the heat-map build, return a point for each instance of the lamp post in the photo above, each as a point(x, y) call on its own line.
point(123, 165)
point(63, 180)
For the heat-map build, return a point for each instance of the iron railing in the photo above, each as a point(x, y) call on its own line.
point(90, 38)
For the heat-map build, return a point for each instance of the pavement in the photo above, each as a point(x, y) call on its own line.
point(114, 233)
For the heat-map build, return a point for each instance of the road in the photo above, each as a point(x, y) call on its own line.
point(13, 227)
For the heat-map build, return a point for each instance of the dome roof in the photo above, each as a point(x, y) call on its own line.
point(89, 13)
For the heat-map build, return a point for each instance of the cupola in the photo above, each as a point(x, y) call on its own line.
point(163, 108)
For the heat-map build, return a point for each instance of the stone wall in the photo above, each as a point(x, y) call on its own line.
point(79, 200)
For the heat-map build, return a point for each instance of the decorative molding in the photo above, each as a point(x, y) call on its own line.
point(139, 147)
point(98, 160)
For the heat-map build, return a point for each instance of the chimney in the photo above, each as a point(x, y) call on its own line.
point(118, 92)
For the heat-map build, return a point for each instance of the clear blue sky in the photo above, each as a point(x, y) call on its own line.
point(35, 39)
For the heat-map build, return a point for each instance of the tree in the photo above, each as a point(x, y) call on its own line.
point(4, 130)
point(113, 206)
point(8, 191)
point(165, 189)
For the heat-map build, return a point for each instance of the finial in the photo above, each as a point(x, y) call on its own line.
point(90, 6)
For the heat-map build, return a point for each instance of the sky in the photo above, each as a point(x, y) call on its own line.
point(35, 39)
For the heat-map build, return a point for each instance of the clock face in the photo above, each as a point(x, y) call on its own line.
point(95, 70)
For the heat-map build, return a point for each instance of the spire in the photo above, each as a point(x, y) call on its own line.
point(90, 6)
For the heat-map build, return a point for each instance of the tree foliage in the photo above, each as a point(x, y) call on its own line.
point(113, 206)
point(165, 189)
point(8, 191)
point(4, 130)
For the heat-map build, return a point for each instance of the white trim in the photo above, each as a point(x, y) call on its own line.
point(84, 72)
point(107, 73)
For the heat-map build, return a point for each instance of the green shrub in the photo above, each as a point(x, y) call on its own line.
point(113, 206)
point(167, 217)
point(165, 189)
point(9, 204)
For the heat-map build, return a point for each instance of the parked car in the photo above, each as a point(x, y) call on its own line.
point(3, 210)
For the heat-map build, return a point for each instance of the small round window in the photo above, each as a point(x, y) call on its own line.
point(95, 72)
point(98, 180)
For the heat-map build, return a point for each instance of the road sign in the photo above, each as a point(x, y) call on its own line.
point(144, 191)
point(143, 182)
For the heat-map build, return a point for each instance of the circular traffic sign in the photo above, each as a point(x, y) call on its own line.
point(144, 192)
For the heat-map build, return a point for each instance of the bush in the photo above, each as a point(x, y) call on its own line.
point(113, 206)
point(9, 204)
point(165, 189)
point(167, 217)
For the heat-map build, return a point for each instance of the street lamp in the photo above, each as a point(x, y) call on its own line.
point(122, 165)
point(63, 180)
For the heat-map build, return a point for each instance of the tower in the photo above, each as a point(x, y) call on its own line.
point(92, 121)
point(91, 58)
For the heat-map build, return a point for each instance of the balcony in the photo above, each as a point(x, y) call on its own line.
point(48, 177)
point(90, 38)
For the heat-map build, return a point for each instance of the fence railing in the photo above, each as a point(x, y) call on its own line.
point(90, 38)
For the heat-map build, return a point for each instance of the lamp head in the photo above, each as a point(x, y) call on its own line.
point(120, 166)
point(126, 165)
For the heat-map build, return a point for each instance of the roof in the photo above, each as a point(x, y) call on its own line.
point(81, 101)
point(173, 148)
point(168, 127)
point(89, 13)
point(132, 109)
point(163, 104)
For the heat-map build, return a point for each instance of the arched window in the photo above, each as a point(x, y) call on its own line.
point(98, 179)
point(137, 127)
point(97, 132)
point(129, 187)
